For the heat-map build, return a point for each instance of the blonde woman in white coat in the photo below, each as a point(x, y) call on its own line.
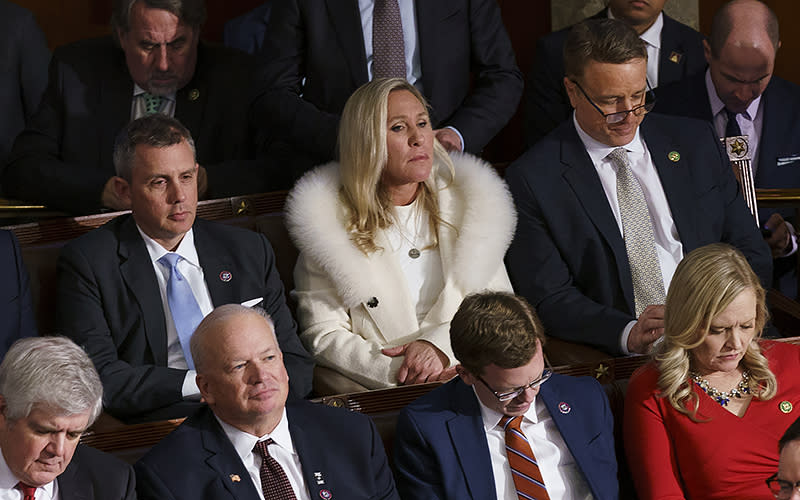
point(391, 240)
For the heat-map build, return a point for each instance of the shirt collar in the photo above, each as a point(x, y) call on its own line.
point(491, 417)
point(8, 481)
point(244, 442)
point(599, 151)
point(186, 248)
point(652, 36)
point(717, 106)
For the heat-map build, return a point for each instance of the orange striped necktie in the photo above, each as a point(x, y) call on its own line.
point(524, 468)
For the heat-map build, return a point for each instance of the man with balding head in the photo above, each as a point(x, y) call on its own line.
point(739, 94)
point(248, 443)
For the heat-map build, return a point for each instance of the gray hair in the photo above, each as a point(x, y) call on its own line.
point(191, 12)
point(155, 130)
point(52, 372)
point(602, 40)
point(214, 322)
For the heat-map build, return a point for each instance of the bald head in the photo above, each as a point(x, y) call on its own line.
point(741, 52)
point(744, 24)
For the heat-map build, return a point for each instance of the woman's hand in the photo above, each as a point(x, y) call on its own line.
point(423, 362)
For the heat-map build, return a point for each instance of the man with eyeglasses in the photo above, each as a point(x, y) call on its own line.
point(785, 484)
point(506, 427)
point(610, 201)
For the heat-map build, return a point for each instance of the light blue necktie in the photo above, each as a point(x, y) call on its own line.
point(186, 313)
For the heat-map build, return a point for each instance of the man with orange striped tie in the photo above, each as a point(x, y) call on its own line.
point(507, 427)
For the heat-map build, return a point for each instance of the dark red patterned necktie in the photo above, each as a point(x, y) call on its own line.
point(28, 491)
point(388, 46)
point(274, 482)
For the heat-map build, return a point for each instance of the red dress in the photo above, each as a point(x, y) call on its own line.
point(726, 457)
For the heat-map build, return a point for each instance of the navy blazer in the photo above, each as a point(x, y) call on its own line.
point(64, 157)
point(109, 303)
point(16, 307)
point(340, 451)
point(568, 258)
point(546, 101)
point(94, 475)
point(441, 450)
point(315, 59)
point(23, 67)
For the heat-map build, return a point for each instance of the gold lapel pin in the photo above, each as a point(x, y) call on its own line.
point(194, 95)
point(674, 156)
point(785, 406)
point(235, 478)
point(675, 57)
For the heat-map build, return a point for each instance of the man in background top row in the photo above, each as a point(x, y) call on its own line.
point(739, 94)
point(674, 52)
point(317, 53)
point(153, 62)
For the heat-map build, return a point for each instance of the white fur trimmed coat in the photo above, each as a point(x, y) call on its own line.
point(336, 283)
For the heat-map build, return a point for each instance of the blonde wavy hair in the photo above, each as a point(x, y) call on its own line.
point(704, 284)
point(363, 156)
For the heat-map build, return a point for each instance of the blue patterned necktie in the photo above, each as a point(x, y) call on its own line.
point(152, 103)
point(186, 313)
point(637, 227)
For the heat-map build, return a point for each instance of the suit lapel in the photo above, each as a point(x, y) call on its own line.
point(190, 101)
point(428, 16)
point(580, 174)
point(215, 261)
point(224, 460)
point(137, 272)
point(116, 96)
point(672, 63)
point(346, 21)
point(674, 181)
point(768, 141)
point(306, 442)
point(469, 441)
point(70, 487)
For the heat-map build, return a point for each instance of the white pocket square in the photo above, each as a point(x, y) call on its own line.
point(252, 302)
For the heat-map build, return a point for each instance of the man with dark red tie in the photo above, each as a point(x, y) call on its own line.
point(507, 427)
point(50, 394)
point(248, 443)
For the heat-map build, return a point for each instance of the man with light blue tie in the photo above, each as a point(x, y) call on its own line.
point(133, 291)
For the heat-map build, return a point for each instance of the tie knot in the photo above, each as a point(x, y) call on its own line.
point(27, 490)
point(170, 259)
point(152, 103)
point(730, 114)
point(508, 422)
point(262, 447)
point(619, 156)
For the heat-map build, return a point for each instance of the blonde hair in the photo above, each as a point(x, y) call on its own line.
point(363, 156)
point(704, 284)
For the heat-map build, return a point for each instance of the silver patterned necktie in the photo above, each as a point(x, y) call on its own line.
point(388, 46)
point(637, 227)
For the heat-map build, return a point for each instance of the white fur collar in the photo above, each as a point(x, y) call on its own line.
point(477, 203)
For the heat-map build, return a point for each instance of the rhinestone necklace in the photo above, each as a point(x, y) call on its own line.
point(722, 397)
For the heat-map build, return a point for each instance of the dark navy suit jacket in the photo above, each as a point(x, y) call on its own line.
point(568, 258)
point(315, 59)
point(94, 475)
point(340, 451)
point(110, 304)
point(16, 307)
point(441, 450)
point(546, 101)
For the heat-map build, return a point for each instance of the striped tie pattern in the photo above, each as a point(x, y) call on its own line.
point(274, 482)
point(524, 468)
point(388, 46)
point(637, 227)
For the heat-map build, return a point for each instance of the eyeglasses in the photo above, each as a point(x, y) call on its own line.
point(513, 393)
point(612, 118)
point(782, 490)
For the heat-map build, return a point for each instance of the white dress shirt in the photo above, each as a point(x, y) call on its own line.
point(282, 451)
point(750, 122)
point(652, 40)
point(189, 266)
point(424, 275)
point(8, 486)
point(669, 248)
point(408, 17)
point(561, 474)
point(138, 105)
